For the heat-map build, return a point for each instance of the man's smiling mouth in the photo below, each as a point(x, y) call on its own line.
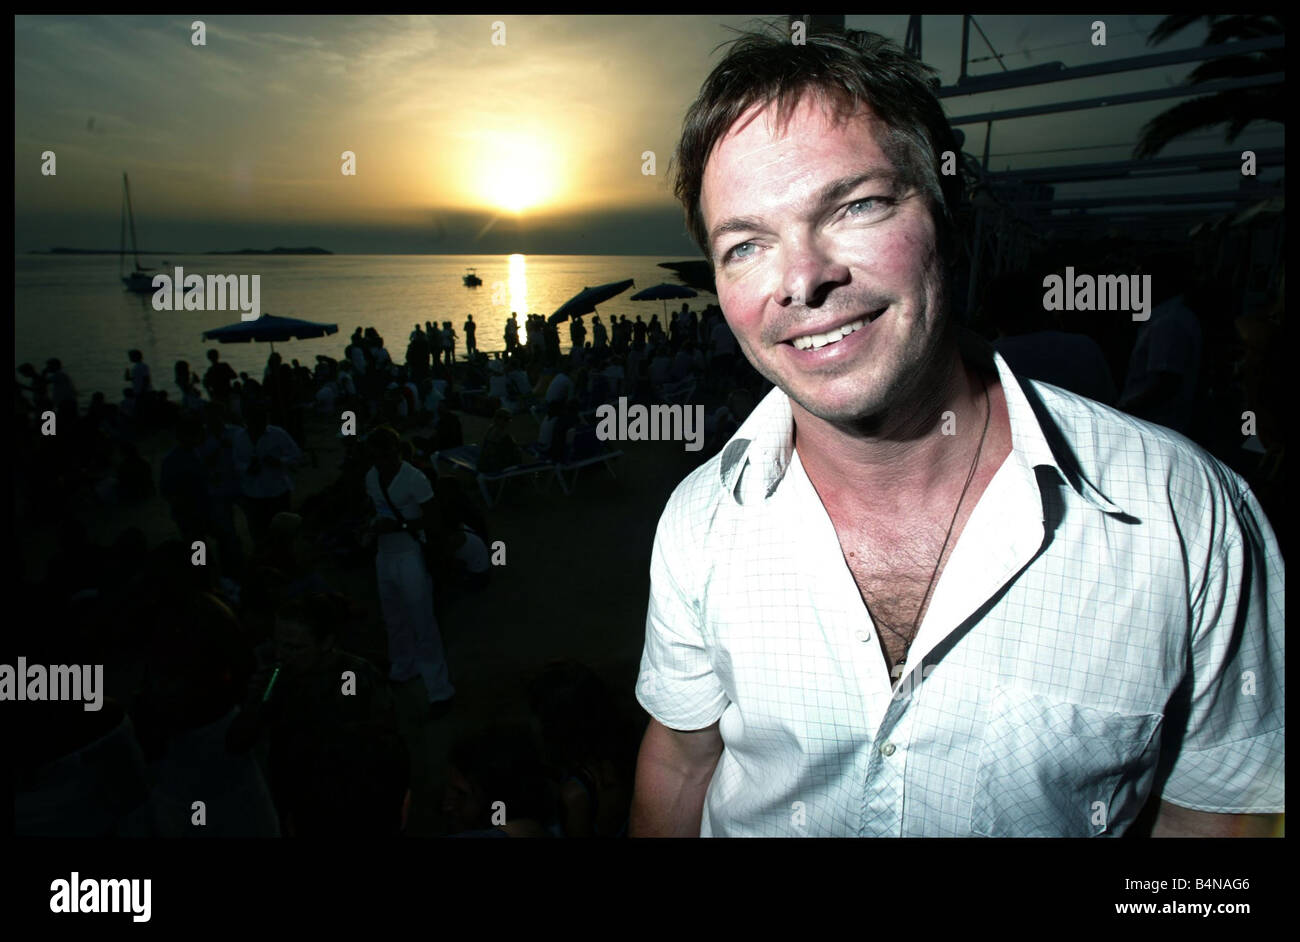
point(835, 334)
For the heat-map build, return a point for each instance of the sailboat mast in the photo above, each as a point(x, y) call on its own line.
point(121, 242)
point(135, 248)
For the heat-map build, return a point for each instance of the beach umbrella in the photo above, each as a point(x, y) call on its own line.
point(585, 301)
point(268, 329)
point(663, 292)
point(698, 274)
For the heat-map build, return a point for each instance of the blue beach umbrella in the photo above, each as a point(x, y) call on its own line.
point(585, 301)
point(267, 329)
point(663, 292)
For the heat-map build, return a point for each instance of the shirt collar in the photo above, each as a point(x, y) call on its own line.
point(754, 462)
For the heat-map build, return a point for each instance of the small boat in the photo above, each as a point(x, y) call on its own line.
point(139, 281)
point(472, 280)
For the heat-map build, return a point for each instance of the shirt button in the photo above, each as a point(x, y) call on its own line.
point(887, 749)
point(863, 635)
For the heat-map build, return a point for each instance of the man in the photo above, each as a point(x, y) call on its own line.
point(264, 455)
point(449, 343)
point(318, 690)
point(512, 332)
point(578, 333)
point(417, 354)
point(62, 392)
point(915, 595)
point(218, 378)
point(137, 374)
point(471, 345)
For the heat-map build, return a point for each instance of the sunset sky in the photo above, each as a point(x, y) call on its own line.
point(461, 146)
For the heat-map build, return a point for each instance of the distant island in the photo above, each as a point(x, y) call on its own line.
point(278, 250)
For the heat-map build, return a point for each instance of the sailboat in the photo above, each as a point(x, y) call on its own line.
point(141, 280)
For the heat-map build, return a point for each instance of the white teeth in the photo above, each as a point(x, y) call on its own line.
point(831, 336)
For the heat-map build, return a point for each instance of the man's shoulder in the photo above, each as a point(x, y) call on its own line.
point(1131, 459)
point(694, 504)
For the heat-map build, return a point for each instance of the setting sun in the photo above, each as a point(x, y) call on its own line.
point(515, 172)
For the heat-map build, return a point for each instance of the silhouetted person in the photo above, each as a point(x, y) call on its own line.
point(218, 378)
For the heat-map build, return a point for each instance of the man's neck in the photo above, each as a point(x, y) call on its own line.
point(914, 453)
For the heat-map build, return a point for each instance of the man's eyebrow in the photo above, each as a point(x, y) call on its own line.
point(835, 190)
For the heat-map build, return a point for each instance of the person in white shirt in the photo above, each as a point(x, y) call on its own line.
point(405, 516)
point(264, 454)
point(915, 595)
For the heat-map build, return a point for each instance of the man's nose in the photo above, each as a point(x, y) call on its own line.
point(810, 272)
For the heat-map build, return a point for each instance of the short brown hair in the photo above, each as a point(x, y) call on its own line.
point(848, 68)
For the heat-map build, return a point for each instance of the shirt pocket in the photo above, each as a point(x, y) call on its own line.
point(1050, 768)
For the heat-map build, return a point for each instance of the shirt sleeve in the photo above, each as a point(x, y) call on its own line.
point(1232, 753)
point(677, 684)
point(418, 486)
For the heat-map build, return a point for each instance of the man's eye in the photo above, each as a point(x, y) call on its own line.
point(879, 203)
point(731, 253)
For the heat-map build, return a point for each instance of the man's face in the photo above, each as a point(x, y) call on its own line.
point(801, 259)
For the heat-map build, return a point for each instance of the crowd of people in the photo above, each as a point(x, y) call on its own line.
point(236, 664)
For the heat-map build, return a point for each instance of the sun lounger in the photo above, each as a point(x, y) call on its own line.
point(585, 449)
point(466, 458)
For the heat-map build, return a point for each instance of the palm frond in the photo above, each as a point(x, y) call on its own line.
point(1175, 23)
point(1236, 109)
point(1231, 67)
point(1243, 26)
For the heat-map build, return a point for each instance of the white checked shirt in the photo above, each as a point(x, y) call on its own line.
point(1111, 618)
